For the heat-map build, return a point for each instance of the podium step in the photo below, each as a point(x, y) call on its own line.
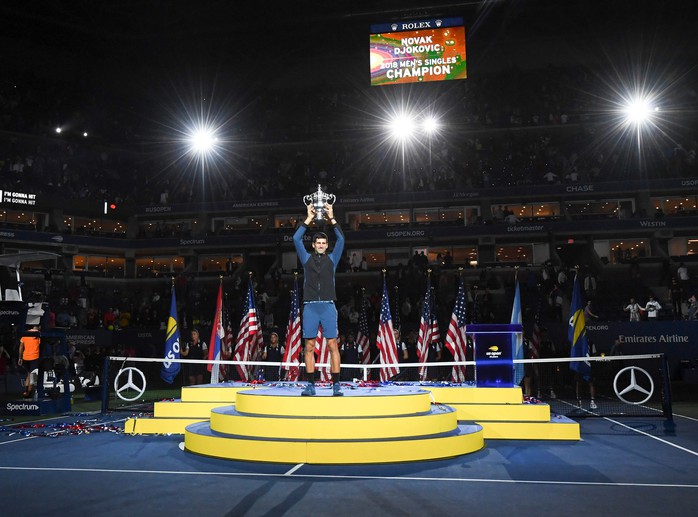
point(159, 425)
point(438, 419)
point(267, 412)
point(557, 428)
point(359, 402)
point(225, 392)
point(474, 395)
point(201, 439)
point(503, 412)
point(179, 409)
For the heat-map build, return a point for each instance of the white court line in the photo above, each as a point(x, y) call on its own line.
point(338, 477)
point(294, 469)
point(637, 430)
point(686, 417)
point(651, 436)
point(18, 440)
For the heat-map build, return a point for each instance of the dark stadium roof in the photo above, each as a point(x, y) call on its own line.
point(136, 50)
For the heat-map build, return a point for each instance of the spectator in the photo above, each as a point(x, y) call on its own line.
point(676, 299)
point(692, 308)
point(652, 308)
point(588, 313)
point(349, 351)
point(634, 309)
point(355, 262)
point(682, 274)
point(273, 353)
point(590, 286)
point(195, 349)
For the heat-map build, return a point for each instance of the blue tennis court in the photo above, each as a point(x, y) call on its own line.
point(635, 466)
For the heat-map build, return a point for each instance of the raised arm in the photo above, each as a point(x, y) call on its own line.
point(303, 254)
point(338, 249)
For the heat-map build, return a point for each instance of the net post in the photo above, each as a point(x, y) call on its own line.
point(666, 391)
point(105, 384)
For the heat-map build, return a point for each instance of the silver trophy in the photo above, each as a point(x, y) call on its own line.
point(318, 200)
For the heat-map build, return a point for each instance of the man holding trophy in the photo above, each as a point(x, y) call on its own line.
point(319, 287)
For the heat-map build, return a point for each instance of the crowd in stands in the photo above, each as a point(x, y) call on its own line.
point(546, 291)
point(511, 128)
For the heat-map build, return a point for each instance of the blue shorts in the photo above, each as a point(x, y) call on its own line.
point(316, 314)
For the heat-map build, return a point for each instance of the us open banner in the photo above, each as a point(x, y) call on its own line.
point(435, 51)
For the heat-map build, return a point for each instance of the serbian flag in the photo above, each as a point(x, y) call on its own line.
point(293, 336)
point(247, 340)
point(217, 335)
point(322, 351)
point(170, 369)
point(386, 340)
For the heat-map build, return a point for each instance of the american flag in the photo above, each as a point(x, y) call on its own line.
point(396, 309)
point(425, 331)
point(386, 339)
point(455, 338)
point(249, 339)
point(362, 335)
point(293, 336)
point(323, 353)
point(226, 351)
point(435, 334)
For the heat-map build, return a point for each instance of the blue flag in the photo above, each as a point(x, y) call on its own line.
point(577, 333)
point(170, 369)
point(517, 339)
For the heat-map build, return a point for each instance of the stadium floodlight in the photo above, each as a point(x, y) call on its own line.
point(639, 111)
point(202, 140)
point(430, 125)
point(402, 127)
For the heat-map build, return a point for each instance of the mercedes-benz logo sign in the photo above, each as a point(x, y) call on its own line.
point(129, 383)
point(632, 385)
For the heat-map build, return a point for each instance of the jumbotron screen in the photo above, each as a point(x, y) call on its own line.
point(417, 51)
